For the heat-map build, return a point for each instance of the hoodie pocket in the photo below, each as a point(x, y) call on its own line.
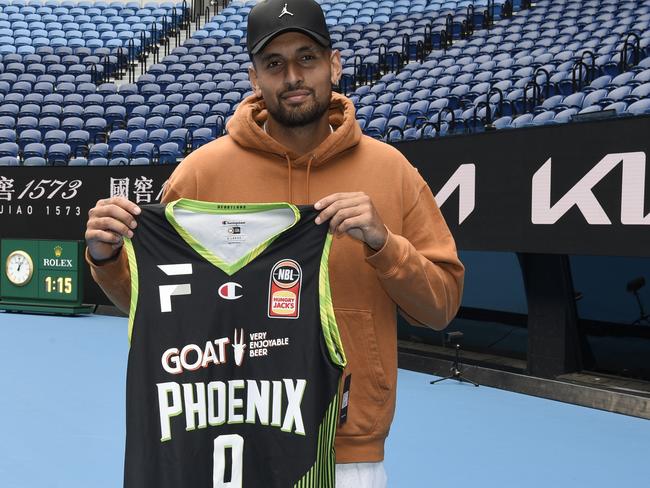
point(369, 387)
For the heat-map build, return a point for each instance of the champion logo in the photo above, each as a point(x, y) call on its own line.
point(229, 291)
point(285, 11)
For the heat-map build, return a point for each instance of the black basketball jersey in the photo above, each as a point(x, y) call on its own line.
point(235, 357)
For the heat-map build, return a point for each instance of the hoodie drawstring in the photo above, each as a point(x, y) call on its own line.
point(313, 156)
point(290, 180)
point(311, 160)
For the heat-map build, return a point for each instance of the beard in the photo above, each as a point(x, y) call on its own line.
point(303, 114)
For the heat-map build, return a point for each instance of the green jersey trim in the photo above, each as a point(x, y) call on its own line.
point(225, 208)
point(321, 474)
point(327, 318)
point(133, 268)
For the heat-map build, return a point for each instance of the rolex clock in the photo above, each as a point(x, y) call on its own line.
point(42, 276)
point(19, 267)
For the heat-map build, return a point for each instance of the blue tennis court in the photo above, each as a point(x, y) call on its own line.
point(62, 407)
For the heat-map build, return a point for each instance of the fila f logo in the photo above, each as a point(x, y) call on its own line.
point(228, 291)
point(166, 292)
point(581, 195)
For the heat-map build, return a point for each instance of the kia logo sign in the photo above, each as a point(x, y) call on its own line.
point(229, 291)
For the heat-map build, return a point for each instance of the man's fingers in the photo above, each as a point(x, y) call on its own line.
point(355, 222)
point(109, 221)
point(337, 206)
point(113, 211)
point(329, 199)
point(121, 202)
point(103, 236)
point(109, 224)
point(342, 215)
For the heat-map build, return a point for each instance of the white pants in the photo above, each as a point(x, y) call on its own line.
point(361, 475)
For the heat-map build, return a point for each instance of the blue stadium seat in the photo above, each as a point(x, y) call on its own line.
point(173, 122)
point(47, 123)
point(161, 110)
point(137, 136)
point(544, 118)
point(377, 127)
point(366, 112)
point(158, 136)
point(502, 122)
point(54, 136)
point(116, 137)
point(594, 97)
point(78, 139)
point(573, 101)
point(128, 89)
point(71, 124)
point(565, 116)
point(619, 107)
point(78, 161)
point(153, 123)
point(383, 111)
point(121, 151)
point(640, 107)
point(140, 111)
point(135, 123)
point(194, 122)
point(98, 162)
point(9, 149)
point(114, 114)
point(22, 124)
point(9, 110)
point(9, 160)
point(133, 101)
point(591, 109)
point(99, 150)
point(524, 120)
point(29, 136)
point(93, 99)
point(7, 135)
point(201, 136)
point(141, 161)
point(119, 161)
point(94, 126)
point(73, 99)
point(9, 122)
point(179, 136)
point(93, 111)
point(35, 161)
point(35, 149)
point(144, 150)
point(640, 92)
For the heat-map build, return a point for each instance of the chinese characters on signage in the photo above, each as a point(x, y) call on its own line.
point(139, 189)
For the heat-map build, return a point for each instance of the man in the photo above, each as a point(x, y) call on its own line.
point(294, 140)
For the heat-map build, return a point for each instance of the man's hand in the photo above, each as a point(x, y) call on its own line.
point(355, 214)
point(108, 222)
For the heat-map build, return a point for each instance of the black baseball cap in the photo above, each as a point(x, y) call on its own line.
point(270, 18)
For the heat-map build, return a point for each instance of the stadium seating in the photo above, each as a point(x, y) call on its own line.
point(444, 69)
point(542, 43)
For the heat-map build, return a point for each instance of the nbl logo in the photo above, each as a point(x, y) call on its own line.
point(286, 274)
point(284, 290)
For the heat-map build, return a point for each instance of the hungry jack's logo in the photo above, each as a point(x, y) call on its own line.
point(284, 290)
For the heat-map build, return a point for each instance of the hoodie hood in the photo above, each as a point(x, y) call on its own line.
point(246, 128)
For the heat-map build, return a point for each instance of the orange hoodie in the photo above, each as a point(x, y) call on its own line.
point(417, 270)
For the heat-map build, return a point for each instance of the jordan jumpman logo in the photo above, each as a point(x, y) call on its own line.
point(284, 11)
